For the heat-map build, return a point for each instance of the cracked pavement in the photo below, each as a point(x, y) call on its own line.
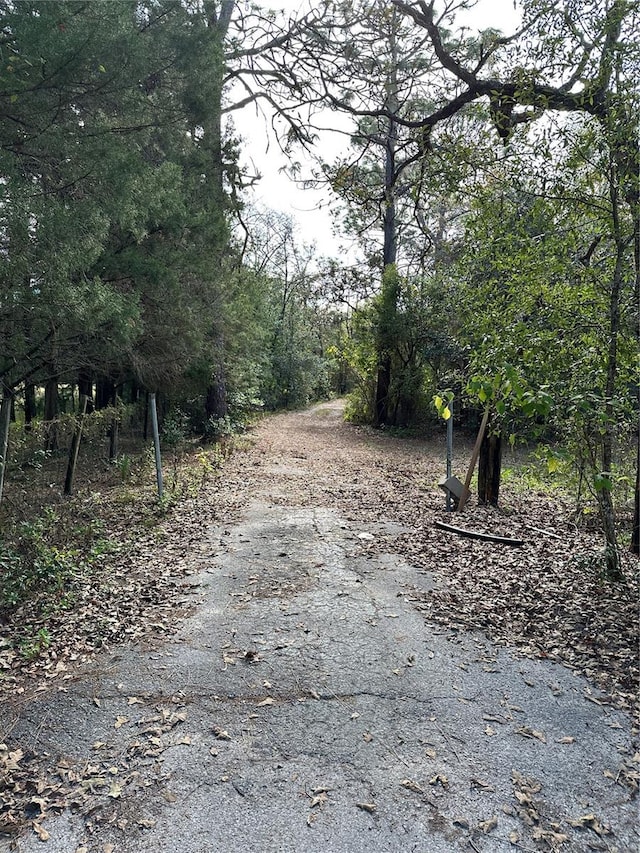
point(306, 706)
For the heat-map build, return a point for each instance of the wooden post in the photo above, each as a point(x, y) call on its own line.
point(474, 458)
point(156, 442)
point(75, 448)
point(449, 452)
point(114, 429)
point(5, 420)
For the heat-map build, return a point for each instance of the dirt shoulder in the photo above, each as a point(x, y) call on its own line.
point(348, 677)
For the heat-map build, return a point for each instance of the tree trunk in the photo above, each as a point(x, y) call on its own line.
point(489, 468)
point(30, 409)
point(114, 432)
point(605, 500)
point(105, 392)
point(635, 533)
point(383, 382)
point(145, 426)
point(216, 402)
point(85, 389)
point(382, 414)
point(51, 413)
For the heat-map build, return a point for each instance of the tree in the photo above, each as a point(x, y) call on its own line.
point(536, 279)
point(296, 344)
point(60, 83)
point(579, 61)
point(359, 58)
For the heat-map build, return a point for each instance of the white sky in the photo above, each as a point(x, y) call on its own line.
point(309, 207)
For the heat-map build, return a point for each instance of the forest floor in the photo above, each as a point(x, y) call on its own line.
point(296, 659)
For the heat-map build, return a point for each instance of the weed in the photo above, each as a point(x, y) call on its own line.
point(35, 566)
point(175, 429)
point(31, 647)
point(124, 465)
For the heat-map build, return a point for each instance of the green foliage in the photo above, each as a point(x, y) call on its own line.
point(33, 642)
point(175, 429)
point(35, 566)
point(111, 256)
point(407, 321)
point(44, 559)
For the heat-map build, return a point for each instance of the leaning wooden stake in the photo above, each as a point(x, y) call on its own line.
point(75, 448)
point(156, 442)
point(476, 534)
point(5, 422)
point(474, 458)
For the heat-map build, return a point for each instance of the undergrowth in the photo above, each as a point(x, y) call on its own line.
point(54, 548)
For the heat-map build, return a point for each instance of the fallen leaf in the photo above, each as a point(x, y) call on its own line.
point(523, 798)
point(489, 731)
point(439, 779)
point(487, 825)
point(10, 760)
point(589, 821)
point(481, 784)
point(267, 701)
point(146, 822)
point(525, 783)
point(115, 790)
point(367, 807)
point(514, 838)
point(525, 731)
point(492, 718)
point(368, 737)
point(567, 739)
point(40, 831)
point(318, 800)
point(552, 837)
point(221, 734)
point(135, 700)
point(120, 721)
point(410, 785)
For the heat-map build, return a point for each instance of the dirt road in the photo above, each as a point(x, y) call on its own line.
point(307, 706)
